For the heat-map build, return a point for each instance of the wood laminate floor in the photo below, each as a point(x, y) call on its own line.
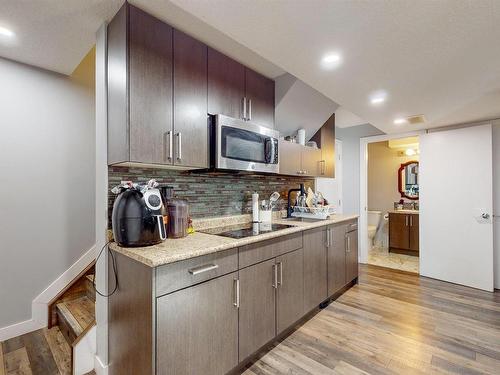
point(394, 322)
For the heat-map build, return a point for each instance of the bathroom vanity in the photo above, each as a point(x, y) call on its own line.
point(404, 232)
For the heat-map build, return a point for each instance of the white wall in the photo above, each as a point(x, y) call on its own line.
point(350, 152)
point(47, 172)
point(496, 201)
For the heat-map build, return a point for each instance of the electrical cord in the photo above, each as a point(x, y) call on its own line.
point(114, 271)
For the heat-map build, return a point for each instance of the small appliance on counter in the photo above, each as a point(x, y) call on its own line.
point(137, 217)
point(178, 220)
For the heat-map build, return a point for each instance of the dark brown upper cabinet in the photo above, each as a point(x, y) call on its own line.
point(226, 85)
point(259, 92)
point(237, 91)
point(190, 102)
point(139, 87)
point(157, 93)
point(325, 139)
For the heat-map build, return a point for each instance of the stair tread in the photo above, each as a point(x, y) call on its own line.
point(79, 313)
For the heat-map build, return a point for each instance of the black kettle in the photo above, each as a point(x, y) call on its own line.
point(137, 218)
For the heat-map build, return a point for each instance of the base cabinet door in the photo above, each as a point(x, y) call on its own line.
point(351, 255)
point(414, 232)
point(336, 258)
point(290, 291)
point(197, 329)
point(257, 323)
point(315, 267)
point(399, 234)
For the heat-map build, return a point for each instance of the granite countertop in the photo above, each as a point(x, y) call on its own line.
point(404, 211)
point(197, 244)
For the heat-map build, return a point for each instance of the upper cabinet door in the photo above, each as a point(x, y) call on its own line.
point(311, 161)
point(289, 158)
point(190, 138)
point(150, 87)
point(226, 85)
point(259, 91)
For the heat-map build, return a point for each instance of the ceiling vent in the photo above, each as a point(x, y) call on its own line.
point(415, 120)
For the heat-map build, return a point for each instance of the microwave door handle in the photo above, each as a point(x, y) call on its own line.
point(268, 150)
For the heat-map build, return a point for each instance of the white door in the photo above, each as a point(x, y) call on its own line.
point(331, 188)
point(456, 241)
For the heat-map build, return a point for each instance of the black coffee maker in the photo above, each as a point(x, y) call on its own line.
point(137, 218)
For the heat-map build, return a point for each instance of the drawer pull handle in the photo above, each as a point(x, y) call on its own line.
point(197, 270)
point(237, 293)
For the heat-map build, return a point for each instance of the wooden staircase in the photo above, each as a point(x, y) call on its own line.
point(73, 309)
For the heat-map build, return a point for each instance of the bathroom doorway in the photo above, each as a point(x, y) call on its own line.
point(389, 217)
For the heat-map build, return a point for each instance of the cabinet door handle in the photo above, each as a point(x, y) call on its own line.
point(328, 237)
point(280, 265)
point(348, 243)
point(168, 143)
point(323, 167)
point(179, 146)
point(249, 115)
point(275, 272)
point(244, 105)
point(201, 269)
point(406, 220)
point(236, 284)
point(411, 220)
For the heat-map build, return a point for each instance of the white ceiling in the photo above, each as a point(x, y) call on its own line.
point(437, 58)
point(346, 119)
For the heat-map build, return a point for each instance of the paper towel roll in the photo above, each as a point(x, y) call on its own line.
point(301, 136)
point(255, 207)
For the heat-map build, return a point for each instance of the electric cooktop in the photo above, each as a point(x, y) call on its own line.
point(245, 230)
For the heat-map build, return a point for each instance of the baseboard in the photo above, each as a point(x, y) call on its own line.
point(39, 309)
point(99, 367)
point(19, 329)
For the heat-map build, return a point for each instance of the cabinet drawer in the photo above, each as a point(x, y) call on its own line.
point(178, 275)
point(260, 251)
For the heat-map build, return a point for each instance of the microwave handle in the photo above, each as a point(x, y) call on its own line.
point(269, 148)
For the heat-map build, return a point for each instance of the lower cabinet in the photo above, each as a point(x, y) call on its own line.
point(290, 289)
point(351, 260)
point(257, 324)
point(315, 267)
point(197, 329)
point(404, 233)
point(336, 258)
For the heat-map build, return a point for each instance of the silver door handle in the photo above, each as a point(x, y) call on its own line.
point(249, 109)
point(169, 136)
point(327, 238)
point(323, 166)
point(244, 100)
point(201, 269)
point(280, 265)
point(406, 220)
point(237, 293)
point(348, 244)
point(179, 146)
point(485, 216)
point(411, 220)
point(275, 271)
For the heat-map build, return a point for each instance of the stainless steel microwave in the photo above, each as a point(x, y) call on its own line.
point(244, 146)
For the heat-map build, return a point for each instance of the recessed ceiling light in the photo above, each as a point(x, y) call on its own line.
point(377, 100)
point(331, 60)
point(400, 121)
point(6, 32)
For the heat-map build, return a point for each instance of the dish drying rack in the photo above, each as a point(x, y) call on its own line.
point(318, 213)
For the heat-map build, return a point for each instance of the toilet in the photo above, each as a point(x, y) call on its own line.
point(373, 223)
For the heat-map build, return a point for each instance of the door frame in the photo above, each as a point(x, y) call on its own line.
point(363, 186)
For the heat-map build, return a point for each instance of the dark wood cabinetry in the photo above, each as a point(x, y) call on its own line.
point(201, 320)
point(404, 233)
point(257, 324)
point(237, 91)
point(221, 308)
point(190, 102)
point(315, 267)
point(162, 84)
point(226, 85)
point(139, 87)
point(259, 91)
point(290, 289)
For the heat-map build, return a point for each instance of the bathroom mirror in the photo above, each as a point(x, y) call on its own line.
point(408, 180)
